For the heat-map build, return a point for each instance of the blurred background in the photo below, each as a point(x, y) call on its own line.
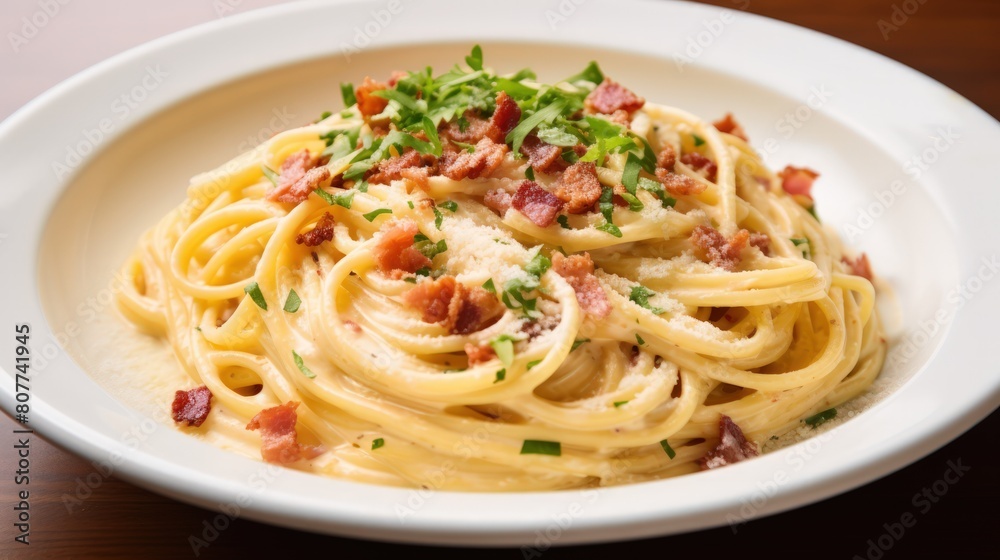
point(955, 42)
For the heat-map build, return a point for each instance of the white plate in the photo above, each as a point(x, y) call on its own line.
point(876, 116)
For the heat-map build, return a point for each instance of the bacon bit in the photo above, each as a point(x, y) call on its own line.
point(352, 326)
point(700, 163)
point(622, 117)
point(798, 180)
point(733, 446)
point(394, 252)
point(396, 76)
point(293, 170)
point(579, 187)
point(537, 204)
point(860, 266)
point(479, 354)
point(459, 309)
point(370, 105)
point(504, 119)
point(191, 408)
point(280, 443)
point(542, 157)
point(760, 241)
point(498, 200)
point(476, 129)
point(317, 235)
point(729, 125)
point(715, 248)
point(392, 169)
point(679, 185)
point(458, 165)
point(578, 271)
point(667, 158)
point(300, 190)
point(611, 96)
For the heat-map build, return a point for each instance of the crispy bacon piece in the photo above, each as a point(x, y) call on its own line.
point(717, 250)
point(622, 117)
point(352, 326)
point(191, 408)
point(578, 271)
point(458, 165)
point(760, 241)
point(298, 177)
point(498, 200)
point(370, 105)
point(479, 354)
point(395, 255)
point(542, 157)
point(860, 266)
point(317, 235)
point(392, 169)
point(667, 158)
point(729, 125)
point(700, 163)
point(459, 309)
point(733, 446)
point(611, 96)
point(579, 187)
point(280, 443)
point(679, 185)
point(798, 180)
point(504, 119)
point(537, 204)
point(475, 128)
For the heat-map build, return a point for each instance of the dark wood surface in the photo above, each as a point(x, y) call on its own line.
point(956, 42)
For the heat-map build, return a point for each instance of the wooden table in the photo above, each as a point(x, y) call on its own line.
point(956, 42)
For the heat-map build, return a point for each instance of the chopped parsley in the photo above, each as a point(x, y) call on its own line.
point(529, 173)
point(302, 365)
point(640, 296)
point(347, 92)
point(619, 404)
point(503, 345)
point(376, 443)
point(538, 447)
point(449, 205)
point(376, 213)
point(410, 204)
point(698, 140)
point(339, 199)
point(489, 286)
point(533, 363)
point(501, 375)
point(669, 450)
point(608, 227)
point(563, 221)
point(819, 418)
point(293, 302)
point(578, 343)
point(538, 265)
point(639, 340)
point(253, 290)
point(270, 174)
point(438, 217)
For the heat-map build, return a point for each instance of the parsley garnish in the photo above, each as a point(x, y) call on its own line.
point(529, 173)
point(698, 140)
point(563, 221)
point(253, 290)
point(489, 286)
point(347, 91)
point(475, 60)
point(578, 343)
point(293, 302)
point(533, 363)
point(639, 340)
point(608, 227)
point(501, 375)
point(270, 174)
point(302, 365)
point(538, 447)
point(620, 403)
point(438, 217)
point(339, 199)
point(376, 443)
point(503, 345)
point(376, 213)
point(538, 265)
point(640, 296)
point(449, 205)
point(816, 419)
point(670, 450)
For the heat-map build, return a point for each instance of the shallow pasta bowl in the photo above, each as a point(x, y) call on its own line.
point(93, 162)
